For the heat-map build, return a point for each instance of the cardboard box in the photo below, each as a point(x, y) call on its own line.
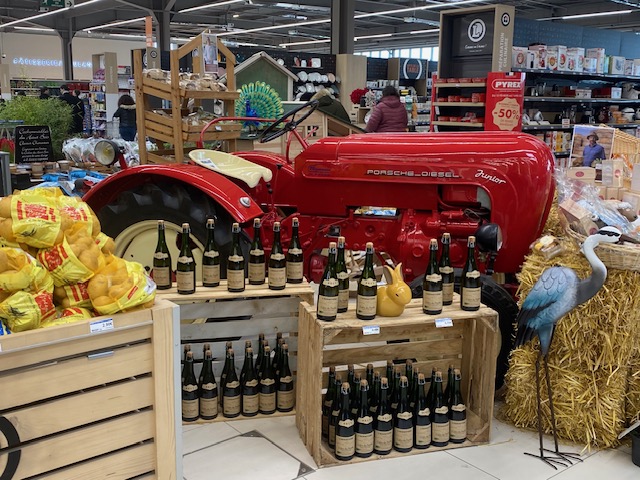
point(584, 174)
point(539, 56)
point(599, 55)
point(602, 192)
point(636, 67)
point(613, 193)
point(633, 199)
point(574, 211)
point(616, 65)
point(575, 59)
point(635, 178)
point(520, 57)
point(557, 57)
point(590, 65)
point(612, 173)
point(628, 67)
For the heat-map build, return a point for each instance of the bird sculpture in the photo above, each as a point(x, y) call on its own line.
point(556, 293)
point(258, 100)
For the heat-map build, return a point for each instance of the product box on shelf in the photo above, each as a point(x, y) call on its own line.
point(613, 193)
point(539, 56)
point(575, 59)
point(616, 65)
point(584, 174)
point(628, 67)
point(636, 67)
point(520, 57)
point(635, 178)
point(612, 173)
point(557, 57)
point(632, 198)
point(590, 65)
point(599, 55)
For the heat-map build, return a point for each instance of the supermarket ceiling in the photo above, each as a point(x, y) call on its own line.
point(300, 25)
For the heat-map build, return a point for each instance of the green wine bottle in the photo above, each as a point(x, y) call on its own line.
point(457, 412)
point(329, 289)
point(470, 283)
point(335, 413)
point(235, 262)
point(439, 416)
point(432, 293)
point(421, 417)
point(162, 261)
point(286, 394)
point(355, 394)
point(250, 387)
point(260, 354)
point(383, 425)
point(210, 258)
point(446, 270)
point(364, 423)
point(327, 401)
point(374, 394)
point(345, 429)
point(186, 267)
point(190, 405)
point(366, 302)
point(267, 396)
point(256, 257)
point(208, 389)
point(343, 277)
point(295, 259)
point(225, 370)
point(403, 425)
point(232, 392)
point(277, 262)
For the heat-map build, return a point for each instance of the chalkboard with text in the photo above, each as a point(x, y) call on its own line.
point(33, 144)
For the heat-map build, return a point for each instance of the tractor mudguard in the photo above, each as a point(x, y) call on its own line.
point(225, 192)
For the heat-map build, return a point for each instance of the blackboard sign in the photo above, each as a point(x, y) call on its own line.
point(33, 144)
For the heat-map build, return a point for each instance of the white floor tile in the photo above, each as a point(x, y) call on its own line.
point(195, 437)
point(605, 464)
point(241, 458)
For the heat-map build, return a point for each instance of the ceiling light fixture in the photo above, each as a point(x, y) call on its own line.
point(114, 24)
point(381, 35)
point(413, 9)
point(46, 14)
point(236, 15)
point(35, 29)
point(589, 15)
point(276, 27)
point(421, 20)
point(430, 30)
point(308, 42)
point(210, 5)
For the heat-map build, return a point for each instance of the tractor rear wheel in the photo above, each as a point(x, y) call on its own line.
point(132, 222)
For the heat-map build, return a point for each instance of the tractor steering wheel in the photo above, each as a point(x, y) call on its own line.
point(269, 134)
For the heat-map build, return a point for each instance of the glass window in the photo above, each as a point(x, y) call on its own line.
point(384, 54)
point(404, 53)
point(375, 54)
point(426, 53)
point(435, 54)
point(415, 53)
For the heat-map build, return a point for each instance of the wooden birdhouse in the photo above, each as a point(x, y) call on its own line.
point(262, 67)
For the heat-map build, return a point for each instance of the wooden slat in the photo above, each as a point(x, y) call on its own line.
point(256, 307)
point(209, 94)
point(395, 332)
point(66, 449)
point(259, 416)
point(122, 465)
point(72, 375)
point(156, 84)
point(210, 136)
point(248, 329)
point(160, 136)
point(153, 126)
point(47, 418)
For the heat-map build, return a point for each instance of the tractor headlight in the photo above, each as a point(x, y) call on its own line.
point(106, 152)
point(489, 237)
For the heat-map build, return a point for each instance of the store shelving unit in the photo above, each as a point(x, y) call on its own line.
point(466, 88)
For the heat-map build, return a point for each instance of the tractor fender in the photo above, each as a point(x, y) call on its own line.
point(222, 190)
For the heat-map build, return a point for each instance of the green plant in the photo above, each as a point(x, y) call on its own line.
point(33, 111)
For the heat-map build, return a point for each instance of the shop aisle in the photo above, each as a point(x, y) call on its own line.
point(271, 449)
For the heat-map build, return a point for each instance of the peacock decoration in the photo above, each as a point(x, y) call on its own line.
point(260, 100)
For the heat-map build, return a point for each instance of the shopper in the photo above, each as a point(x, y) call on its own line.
point(77, 109)
point(389, 115)
point(126, 112)
point(328, 104)
point(44, 93)
point(593, 151)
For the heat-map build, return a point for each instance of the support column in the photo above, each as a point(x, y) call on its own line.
point(342, 26)
point(162, 10)
point(66, 37)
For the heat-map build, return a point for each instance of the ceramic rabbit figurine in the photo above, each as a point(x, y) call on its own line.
point(395, 295)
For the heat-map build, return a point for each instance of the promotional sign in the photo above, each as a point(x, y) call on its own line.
point(209, 52)
point(505, 97)
point(33, 144)
point(473, 34)
point(413, 69)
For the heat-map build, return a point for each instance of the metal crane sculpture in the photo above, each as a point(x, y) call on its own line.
point(556, 293)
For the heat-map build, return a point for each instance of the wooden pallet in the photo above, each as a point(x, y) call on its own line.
point(471, 344)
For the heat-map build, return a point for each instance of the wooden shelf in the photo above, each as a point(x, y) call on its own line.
point(458, 104)
point(259, 416)
point(460, 85)
point(459, 124)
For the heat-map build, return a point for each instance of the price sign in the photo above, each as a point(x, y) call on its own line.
point(505, 97)
point(506, 114)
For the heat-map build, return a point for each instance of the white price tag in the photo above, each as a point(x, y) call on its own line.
point(444, 322)
point(101, 325)
point(371, 330)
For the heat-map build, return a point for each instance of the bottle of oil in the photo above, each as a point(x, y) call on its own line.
point(343, 278)
point(277, 262)
point(446, 270)
point(329, 289)
point(432, 287)
point(210, 258)
point(235, 262)
point(403, 425)
point(383, 425)
point(345, 429)
point(364, 423)
point(457, 412)
point(366, 302)
point(295, 259)
point(190, 405)
point(162, 261)
point(208, 389)
point(421, 417)
point(470, 283)
point(256, 257)
point(186, 267)
point(286, 394)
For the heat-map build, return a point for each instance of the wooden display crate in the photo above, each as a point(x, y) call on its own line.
point(471, 344)
point(215, 316)
point(92, 399)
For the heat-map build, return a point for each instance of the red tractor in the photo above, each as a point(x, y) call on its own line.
point(461, 183)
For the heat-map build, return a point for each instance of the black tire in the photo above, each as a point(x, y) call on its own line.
point(497, 298)
point(175, 203)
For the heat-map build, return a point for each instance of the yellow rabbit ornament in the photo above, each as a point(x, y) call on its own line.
point(393, 297)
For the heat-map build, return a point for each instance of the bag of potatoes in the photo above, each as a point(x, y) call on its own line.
point(70, 296)
point(20, 271)
point(26, 311)
point(31, 217)
point(105, 243)
point(67, 315)
point(120, 286)
point(74, 212)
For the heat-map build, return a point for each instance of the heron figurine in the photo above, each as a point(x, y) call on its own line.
point(556, 293)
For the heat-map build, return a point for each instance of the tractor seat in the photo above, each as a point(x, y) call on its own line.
point(231, 166)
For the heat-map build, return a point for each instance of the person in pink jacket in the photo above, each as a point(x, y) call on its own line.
point(389, 115)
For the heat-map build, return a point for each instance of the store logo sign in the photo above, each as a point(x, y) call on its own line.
point(507, 84)
point(46, 62)
point(477, 30)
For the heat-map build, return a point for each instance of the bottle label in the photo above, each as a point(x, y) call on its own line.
point(325, 425)
point(235, 279)
point(446, 270)
point(330, 282)
point(423, 434)
point(252, 383)
point(434, 278)
point(364, 442)
point(458, 429)
point(287, 379)
point(383, 440)
point(405, 415)
point(473, 274)
point(442, 410)
point(185, 280)
point(458, 408)
point(209, 407)
point(425, 412)
point(231, 405)
point(267, 381)
point(365, 420)
point(190, 408)
point(277, 277)
point(186, 260)
point(234, 384)
point(160, 255)
point(267, 402)
point(277, 256)
point(440, 432)
point(403, 437)
point(189, 388)
point(332, 433)
point(211, 273)
point(447, 292)
point(345, 446)
point(343, 299)
point(387, 417)
point(432, 301)
point(471, 297)
point(342, 276)
point(295, 251)
point(162, 276)
point(236, 258)
point(209, 387)
point(211, 254)
point(250, 404)
point(256, 272)
point(366, 305)
point(286, 399)
point(327, 306)
point(295, 270)
point(346, 423)
point(368, 282)
point(256, 252)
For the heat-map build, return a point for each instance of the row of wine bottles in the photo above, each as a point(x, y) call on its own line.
point(263, 386)
point(282, 268)
point(363, 416)
point(333, 291)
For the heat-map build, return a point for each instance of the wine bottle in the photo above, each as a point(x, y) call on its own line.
point(389, 375)
point(276, 363)
point(470, 283)
point(267, 395)
point(413, 399)
point(208, 389)
point(355, 395)
point(421, 417)
point(249, 383)
point(187, 349)
point(395, 398)
point(257, 265)
point(295, 259)
point(439, 416)
point(225, 370)
point(190, 406)
point(364, 424)
point(210, 258)
point(351, 374)
point(446, 270)
point(235, 262)
point(403, 425)
point(327, 401)
point(432, 293)
point(186, 267)
point(335, 412)
point(408, 372)
point(343, 278)
point(277, 262)
point(369, 375)
point(366, 301)
point(260, 354)
point(286, 394)
point(431, 395)
point(448, 391)
point(248, 362)
point(457, 412)
point(374, 394)
point(232, 392)
point(383, 425)
point(345, 431)
point(329, 289)
point(162, 261)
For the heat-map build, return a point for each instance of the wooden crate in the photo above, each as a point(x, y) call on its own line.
point(215, 316)
point(471, 344)
point(92, 399)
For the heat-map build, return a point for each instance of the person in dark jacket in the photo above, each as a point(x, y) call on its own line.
point(44, 93)
point(389, 115)
point(126, 112)
point(77, 108)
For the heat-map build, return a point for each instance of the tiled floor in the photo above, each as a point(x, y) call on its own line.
point(271, 449)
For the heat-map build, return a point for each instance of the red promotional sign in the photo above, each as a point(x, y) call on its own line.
point(505, 96)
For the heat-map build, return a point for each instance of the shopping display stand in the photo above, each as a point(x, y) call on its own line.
point(469, 343)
